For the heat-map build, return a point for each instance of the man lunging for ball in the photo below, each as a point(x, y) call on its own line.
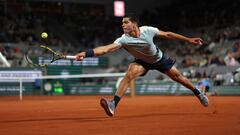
point(138, 41)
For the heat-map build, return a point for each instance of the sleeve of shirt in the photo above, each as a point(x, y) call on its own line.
point(119, 41)
point(153, 31)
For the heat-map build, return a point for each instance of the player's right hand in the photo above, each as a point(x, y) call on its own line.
point(80, 56)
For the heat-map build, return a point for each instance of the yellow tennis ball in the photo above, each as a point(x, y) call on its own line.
point(44, 35)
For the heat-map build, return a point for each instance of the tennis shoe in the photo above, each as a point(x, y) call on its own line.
point(108, 106)
point(203, 99)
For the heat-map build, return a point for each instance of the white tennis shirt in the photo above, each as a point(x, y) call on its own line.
point(142, 47)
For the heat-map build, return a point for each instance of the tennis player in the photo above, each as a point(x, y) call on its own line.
point(138, 41)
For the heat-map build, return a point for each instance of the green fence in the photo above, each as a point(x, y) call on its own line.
point(87, 86)
point(34, 86)
point(163, 88)
point(63, 87)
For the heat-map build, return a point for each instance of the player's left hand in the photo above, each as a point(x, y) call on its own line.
point(196, 41)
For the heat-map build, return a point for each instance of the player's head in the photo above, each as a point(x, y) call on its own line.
point(129, 22)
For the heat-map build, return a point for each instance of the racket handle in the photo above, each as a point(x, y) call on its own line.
point(71, 57)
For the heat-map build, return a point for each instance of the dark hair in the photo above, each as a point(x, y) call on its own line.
point(132, 17)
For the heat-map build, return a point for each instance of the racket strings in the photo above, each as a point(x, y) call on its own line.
point(38, 56)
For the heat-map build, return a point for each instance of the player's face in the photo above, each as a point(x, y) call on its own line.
point(127, 25)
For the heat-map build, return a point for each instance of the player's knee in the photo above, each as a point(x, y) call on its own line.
point(129, 76)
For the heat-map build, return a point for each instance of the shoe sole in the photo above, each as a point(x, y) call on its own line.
point(104, 105)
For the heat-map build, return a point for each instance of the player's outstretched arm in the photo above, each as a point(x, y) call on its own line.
point(175, 36)
point(98, 51)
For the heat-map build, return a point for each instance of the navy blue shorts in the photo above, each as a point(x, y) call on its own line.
point(162, 65)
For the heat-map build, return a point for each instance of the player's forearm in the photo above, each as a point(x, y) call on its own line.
point(99, 51)
point(175, 36)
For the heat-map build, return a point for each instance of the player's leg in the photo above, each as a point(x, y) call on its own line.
point(134, 70)
point(174, 74)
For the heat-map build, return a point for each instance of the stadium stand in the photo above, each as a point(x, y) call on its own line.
point(70, 31)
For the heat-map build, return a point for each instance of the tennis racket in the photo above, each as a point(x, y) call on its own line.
point(45, 52)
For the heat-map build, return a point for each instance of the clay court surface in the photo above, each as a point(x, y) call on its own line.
point(141, 115)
